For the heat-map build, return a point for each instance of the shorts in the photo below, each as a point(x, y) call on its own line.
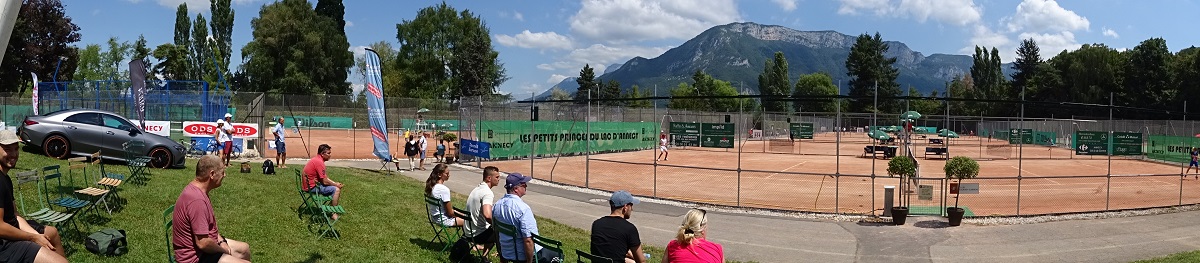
point(488, 236)
point(209, 257)
point(1194, 163)
point(18, 251)
point(280, 147)
point(228, 147)
point(662, 148)
point(325, 190)
point(422, 155)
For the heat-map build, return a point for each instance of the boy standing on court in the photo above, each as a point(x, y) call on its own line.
point(1195, 161)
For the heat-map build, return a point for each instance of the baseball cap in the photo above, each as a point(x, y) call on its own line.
point(515, 179)
point(227, 115)
point(8, 137)
point(622, 198)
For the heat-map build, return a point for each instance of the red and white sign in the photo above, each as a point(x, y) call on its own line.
point(965, 188)
point(209, 129)
point(162, 128)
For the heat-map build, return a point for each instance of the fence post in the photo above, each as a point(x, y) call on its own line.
point(1182, 172)
point(1108, 184)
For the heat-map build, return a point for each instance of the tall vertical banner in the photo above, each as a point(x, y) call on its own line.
point(137, 77)
point(35, 93)
point(375, 112)
point(8, 19)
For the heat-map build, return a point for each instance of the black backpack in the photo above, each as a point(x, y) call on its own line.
point(268, 167)
point(411, 149)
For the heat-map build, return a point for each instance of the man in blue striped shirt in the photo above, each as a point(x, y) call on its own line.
point(511, 210)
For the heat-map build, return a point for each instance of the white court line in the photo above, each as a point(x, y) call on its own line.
point(784, 170)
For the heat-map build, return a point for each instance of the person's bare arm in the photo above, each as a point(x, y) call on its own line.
point(8, 232)
point(529, 256)
point(487, 212)
point(327, 181)
point(638, 255)
point(450, 209)
point(213, 244)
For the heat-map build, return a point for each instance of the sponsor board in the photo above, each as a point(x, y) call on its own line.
point(162, 128)
point(209, 129)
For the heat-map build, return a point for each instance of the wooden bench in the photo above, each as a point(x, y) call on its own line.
point(887, 151)
point(937, 151)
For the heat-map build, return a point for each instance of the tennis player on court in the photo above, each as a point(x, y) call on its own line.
point(662, 147)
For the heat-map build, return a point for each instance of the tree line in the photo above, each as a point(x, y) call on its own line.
point(297, 48)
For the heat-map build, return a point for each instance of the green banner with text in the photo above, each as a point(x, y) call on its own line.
point(515, 138)
point(1171, 148)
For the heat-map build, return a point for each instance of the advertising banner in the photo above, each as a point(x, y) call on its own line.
point(209, 129)
point(35, 93)
point(1171, 148)
point(375, 109)
point(476, 148)
point(162, 128)
point(520, 138)
point(1091, 143)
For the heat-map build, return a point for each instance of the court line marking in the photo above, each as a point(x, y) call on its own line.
point(785, 170)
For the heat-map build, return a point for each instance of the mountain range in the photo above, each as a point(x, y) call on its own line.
point(738, 52)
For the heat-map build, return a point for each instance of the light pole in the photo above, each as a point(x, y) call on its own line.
point(60, 60)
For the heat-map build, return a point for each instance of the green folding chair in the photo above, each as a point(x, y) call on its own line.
point(466, 216)
point(546, 243)
point(44, 213)
point(134, 154)
point(309, 202)
point(60, 198)
point(440, 232)
point(321, 213)
point(584, 257)
point(167, 224)
point(510, 230)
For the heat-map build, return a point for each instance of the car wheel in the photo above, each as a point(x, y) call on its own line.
point(160, 157)
point(57, 146)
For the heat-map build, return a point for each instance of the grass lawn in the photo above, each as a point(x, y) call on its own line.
point(386, 220)
point(1193, 256)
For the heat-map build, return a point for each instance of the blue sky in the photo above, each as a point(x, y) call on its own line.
point(542, 42)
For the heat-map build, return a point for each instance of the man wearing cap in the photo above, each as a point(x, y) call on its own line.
point(21, 240)
point(511, 210)
point(613, 236)
point(226, 131)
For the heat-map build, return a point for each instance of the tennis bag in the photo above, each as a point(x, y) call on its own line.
point(107, 242)
point(268, 167)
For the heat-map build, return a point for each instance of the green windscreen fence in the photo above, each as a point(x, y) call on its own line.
point(1171, 148)
point(515, 138)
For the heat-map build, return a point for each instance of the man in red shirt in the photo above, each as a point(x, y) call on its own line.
point(194, 234)
point(315, 179)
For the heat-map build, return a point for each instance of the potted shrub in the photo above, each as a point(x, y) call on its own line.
point(959, 167)
point(453, 140)
point(904, 167)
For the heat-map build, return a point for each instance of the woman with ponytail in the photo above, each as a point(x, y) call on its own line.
point(434, 187)
point(691, 244)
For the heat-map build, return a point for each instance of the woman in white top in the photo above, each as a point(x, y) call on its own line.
point(434, 187)
point(662, 146)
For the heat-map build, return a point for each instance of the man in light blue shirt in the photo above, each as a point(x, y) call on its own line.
point(280, 149)
point(511, 210)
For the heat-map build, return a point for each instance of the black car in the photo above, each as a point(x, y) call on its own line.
point(66, 133)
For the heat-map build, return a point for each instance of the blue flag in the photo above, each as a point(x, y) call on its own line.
point(375, 112)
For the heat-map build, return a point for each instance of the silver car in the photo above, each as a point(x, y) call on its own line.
point(65, 133)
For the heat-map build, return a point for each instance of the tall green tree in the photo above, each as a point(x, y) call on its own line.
point(816, 84)
point(989, 81)
point(183, 39)
point(1026, 67)
point(446, 54)
point(1147, 76)
point(141, 52)
point(333, 9)
point(173, 63)
point(295, 51)
point(387, 67)
point(611, 90)
point(587, 82)
point(474, 68)
point(89, 64)
point(1185, 72)
point(924, 104)
point(961, 87)
point(113, 59)
point(867, 67)
point(222, 32)
point(1089, 74)
point(202, 60)
point(42, 34)
point(774, 82)
point(636, 93)
point(705, 85)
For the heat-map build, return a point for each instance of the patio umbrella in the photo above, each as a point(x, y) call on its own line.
point(947, 133)
point(910, 115)
point(878, 135)
point(422, 110)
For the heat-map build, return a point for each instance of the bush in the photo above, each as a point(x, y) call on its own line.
point(961, 167)
point(450, 137)
point(902, 166)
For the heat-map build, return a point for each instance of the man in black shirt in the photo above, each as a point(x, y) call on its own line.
point(613, 236)
point(20, 240)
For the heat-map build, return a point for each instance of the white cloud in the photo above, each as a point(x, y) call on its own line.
point(1044, 16)
point(786, 5)
point(349, 23)
point(1108, 32)
point(356, 88)
point(518, 16)
point(955, 12)
point(556, 78)
point(624, 21)
point(546, 67)
point(529, 88)
point(1050, 44)
point(359, 50)
point(526, 39)
point(986, 37)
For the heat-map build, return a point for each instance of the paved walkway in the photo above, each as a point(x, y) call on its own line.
point(924, 239)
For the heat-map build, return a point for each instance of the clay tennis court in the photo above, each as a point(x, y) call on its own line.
point(780, 175)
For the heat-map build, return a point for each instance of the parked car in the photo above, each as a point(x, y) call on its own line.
point(67, 133)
